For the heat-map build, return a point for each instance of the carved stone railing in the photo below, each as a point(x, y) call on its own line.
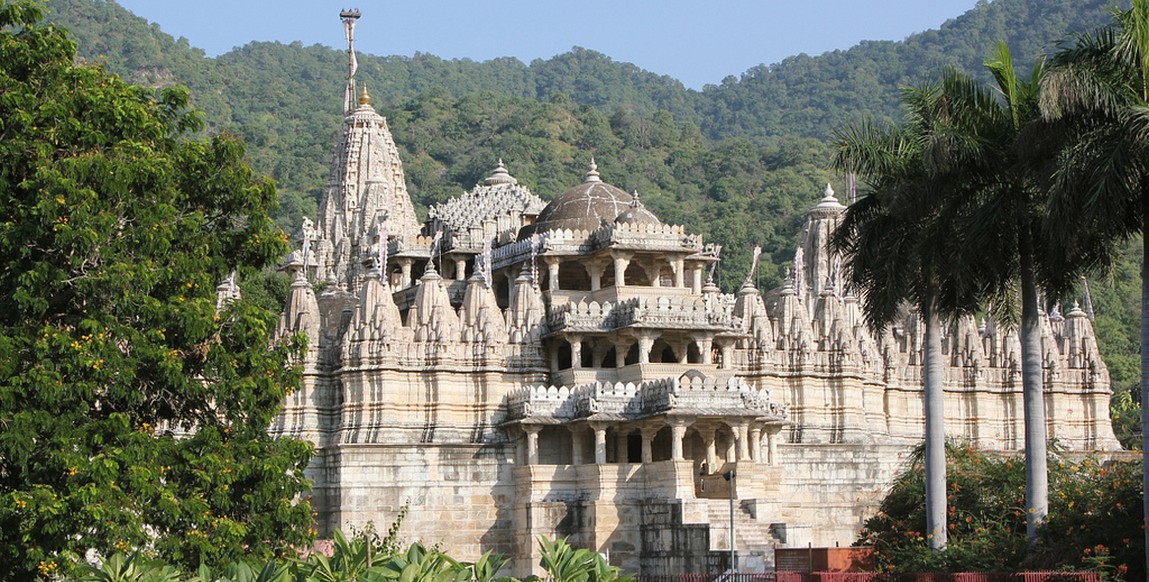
point(660, 237)
point(696, 395)
point(674, 313)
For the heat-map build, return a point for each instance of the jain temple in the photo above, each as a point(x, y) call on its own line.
point(515, 368)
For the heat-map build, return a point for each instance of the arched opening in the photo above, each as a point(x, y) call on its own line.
point(586, 357)
point(662, 353)
point(564, 355)
point(610, 360)
point(607, 279)
point(634, 447)
point(661, 446)
point(502, 291)
point(636, 275)
point(693, 355)
point(573, 277)
point(554, 446)
point(631, 355)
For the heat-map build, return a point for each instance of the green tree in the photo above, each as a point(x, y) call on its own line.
point(996, 140)
point(901, 245)
point(1101, 85)
point(133, 413)
point(1094, 520)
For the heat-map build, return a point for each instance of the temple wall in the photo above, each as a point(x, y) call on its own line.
point(458, 496)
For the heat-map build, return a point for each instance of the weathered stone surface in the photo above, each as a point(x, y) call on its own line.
point(584, 382)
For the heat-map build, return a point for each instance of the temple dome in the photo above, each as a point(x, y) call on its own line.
point(583, 207)
point(636, 213)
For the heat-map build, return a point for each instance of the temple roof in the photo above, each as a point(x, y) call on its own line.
point(583, 207)
point(637, 213)
point(499, 194)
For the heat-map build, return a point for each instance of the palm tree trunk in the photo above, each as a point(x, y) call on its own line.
point(1036, 471)
point(933, 376)
point(1145, 363)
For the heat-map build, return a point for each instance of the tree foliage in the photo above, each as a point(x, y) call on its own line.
point(1094, 517)
point(133, 414)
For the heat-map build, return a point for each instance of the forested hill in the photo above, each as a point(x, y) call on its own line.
point(728, 161)
point(811, 95)
point(803, 95)
point(740, 162)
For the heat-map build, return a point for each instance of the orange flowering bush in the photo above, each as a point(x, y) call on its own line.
point(1094, 518)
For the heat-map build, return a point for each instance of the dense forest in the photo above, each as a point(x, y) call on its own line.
point(740, 161)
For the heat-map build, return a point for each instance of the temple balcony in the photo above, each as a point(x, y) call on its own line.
point(634, 373)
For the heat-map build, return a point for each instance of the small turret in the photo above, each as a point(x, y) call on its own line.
point(431, 315)
point(301, 313)
point(526, 314)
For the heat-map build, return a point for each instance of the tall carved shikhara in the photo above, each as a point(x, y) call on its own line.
point(512, 369)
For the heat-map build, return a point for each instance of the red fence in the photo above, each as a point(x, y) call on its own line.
point(876, 577)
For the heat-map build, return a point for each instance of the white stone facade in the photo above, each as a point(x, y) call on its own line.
point(514, 370)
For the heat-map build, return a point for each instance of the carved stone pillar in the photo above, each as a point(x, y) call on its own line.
point(576, 351)
point(696, 280)
point(532, 431)
point(677, 434)
point(460, 269)
point(679, 267)
point(648, 434)
point(727, 349)
point(755, 443)
point(405, 279)
point(620, 350)
point(553, 272)
point(595, 269)
point(646, 339)
point(703, 341)
point(599, 442)
point(742, 436)
point(772, 432)
point(621, 261)
point(707, 434)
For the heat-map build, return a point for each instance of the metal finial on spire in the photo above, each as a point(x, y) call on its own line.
point(1087, 298)
point(753, 266)
point(364, 97)
point(349, 17)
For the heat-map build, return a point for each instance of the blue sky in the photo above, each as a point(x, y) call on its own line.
point(696, 42)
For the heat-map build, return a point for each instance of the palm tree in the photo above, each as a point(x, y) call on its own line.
point(900, 245)
point(1000, 165)
point(969, 160)
point(1100, 86)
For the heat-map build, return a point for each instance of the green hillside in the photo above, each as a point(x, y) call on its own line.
point(740, 162)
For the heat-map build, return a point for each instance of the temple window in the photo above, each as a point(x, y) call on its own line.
point(636, 275)
point(632, 355)
point(661, 445)
point(662, 353)
point(610, 360)
point(564, 355)
point(693, 355)
point(573, 277)
point(587, 355)
point(502, 292)
point(607, 278)
point(554, 446)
